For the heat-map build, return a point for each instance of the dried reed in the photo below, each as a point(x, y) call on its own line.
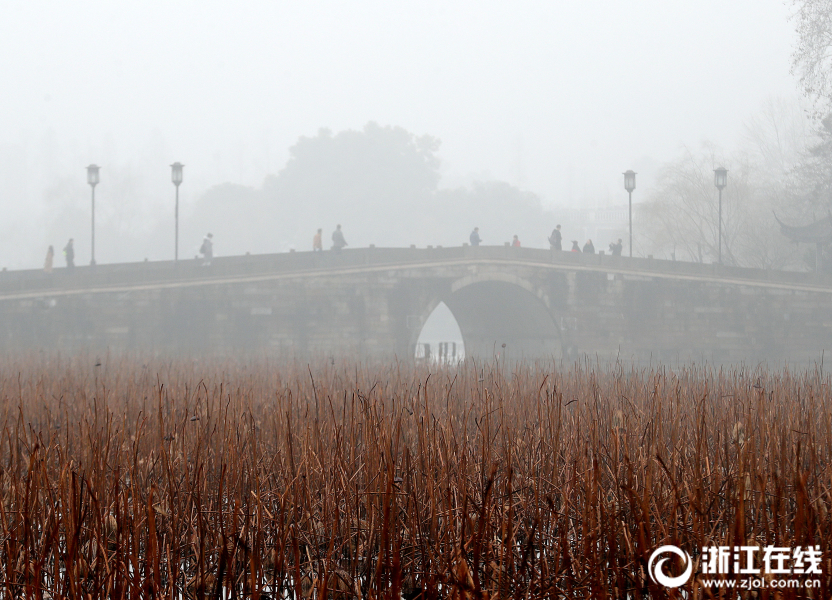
point(206, 480)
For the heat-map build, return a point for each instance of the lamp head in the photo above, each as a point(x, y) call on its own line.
point(720, 178)
point(92, 175)
point(629, 180)
point(176, 173)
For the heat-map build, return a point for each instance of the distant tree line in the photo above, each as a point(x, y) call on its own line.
point(381, 184)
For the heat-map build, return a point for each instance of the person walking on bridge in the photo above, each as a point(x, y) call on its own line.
point(474, 238)
point(515, 243)
point(338, 240)
point(47, 264)
point(69, 254)
point(589, 247)
point(207, 249)
point(556, 239)
point(317, 242)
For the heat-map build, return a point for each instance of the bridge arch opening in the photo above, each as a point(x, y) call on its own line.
point(440, 340)
point(489, 318)
point(503, 318)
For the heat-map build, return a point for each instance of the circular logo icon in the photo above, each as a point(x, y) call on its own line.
point(658, 576)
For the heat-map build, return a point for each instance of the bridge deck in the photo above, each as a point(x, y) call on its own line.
point(238, 269)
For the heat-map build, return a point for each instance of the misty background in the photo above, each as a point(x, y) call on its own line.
point(407, 123)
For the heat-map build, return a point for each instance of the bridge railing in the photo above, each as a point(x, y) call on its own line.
point(104, 275)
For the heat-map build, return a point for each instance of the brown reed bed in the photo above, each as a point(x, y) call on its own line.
point(144, 479)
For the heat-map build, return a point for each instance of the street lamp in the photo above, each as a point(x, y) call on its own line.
point(92, 179)
point(176, 177)
point(630, 185)
point(720, 181)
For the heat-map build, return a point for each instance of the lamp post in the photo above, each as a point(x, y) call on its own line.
point(630, 185)
point(176, 177)
point(720, 181)
point(92, 179)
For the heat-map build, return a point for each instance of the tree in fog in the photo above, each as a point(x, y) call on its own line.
point(376, 164)
point(782, 143)
point(812, 62)
point(381, 184)
point(681, 214)
point(499, 209)
point(772, 172)
point(812, 57)
point(776, 138)
point(811, 178)
point(367, 179)
point(238, 218)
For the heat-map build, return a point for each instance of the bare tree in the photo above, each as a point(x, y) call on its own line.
point(681, 215)
point(812, 57)
point(810, 182)
point(776, 138)
point(770, 172)
point(785, 145)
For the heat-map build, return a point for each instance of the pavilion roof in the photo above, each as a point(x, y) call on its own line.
point(819, 232)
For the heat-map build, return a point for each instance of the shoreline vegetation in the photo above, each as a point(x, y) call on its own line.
point(137, 477)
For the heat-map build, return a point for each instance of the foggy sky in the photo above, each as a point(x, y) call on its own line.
point(555, 97)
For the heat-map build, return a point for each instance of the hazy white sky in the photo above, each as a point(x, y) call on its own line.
point(557, 97)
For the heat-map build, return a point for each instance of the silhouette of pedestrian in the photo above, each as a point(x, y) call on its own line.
point(207, 249)
point(555, 239)
point(47, 264)
point(589, 248)
point(338, 240)
point(69, 254)
point(515, 242)
point(615, 248)
point(474, 238)
point(575, 247)
point(317, 242)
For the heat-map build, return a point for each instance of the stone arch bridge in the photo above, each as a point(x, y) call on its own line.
point(373, 302)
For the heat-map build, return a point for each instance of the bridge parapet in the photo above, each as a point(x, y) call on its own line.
point(193, 270)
